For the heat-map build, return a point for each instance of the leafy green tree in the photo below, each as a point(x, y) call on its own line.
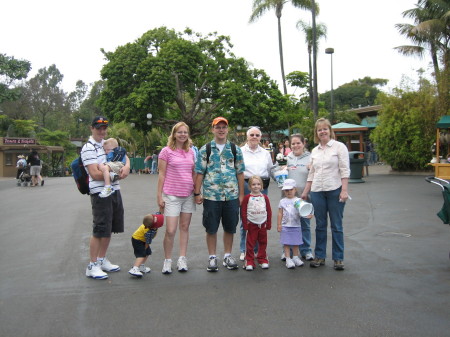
point(22, 128)
point(361, 92)
point(48, 100)
point(260, 7)
point(406, 127)
point(431, 33)
point(182, 76)
point(11, 70)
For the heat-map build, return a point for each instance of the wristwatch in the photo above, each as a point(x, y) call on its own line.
point(196, 194)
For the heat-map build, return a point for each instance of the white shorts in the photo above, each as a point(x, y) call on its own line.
point(175, 205)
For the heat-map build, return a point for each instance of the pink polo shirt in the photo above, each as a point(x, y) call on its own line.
point(180, 166)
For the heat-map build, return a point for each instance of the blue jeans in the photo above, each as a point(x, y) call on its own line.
point(305, 247)
point(243, 233)
point(327, 204)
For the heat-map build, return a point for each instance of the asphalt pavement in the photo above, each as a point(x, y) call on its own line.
point(396, 280)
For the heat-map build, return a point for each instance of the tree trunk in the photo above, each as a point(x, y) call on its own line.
point(315, 91)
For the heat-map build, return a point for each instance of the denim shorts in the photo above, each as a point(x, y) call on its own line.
point(107, 214)
point(214, 211)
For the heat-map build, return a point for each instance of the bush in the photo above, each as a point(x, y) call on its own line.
point(406, 128)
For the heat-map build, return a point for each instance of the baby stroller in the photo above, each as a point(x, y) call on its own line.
point(24, 177)
point(444, 213)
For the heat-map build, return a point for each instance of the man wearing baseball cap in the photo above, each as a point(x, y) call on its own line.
point(219, 185)
point(107, 212)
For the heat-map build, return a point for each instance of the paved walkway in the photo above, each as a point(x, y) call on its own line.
point(396, 282)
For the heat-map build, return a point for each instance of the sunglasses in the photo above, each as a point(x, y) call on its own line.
point(101, 121)
point(254, 135)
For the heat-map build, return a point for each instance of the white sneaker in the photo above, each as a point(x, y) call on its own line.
point(283, 257)
point(182, 263)
point(309, 257)
point(94, 271)
point(289, 263)
point(135, 271)
point(106, 192)
point(264, 265)
point(242, 257)
point(108, 266)
point(144, 270)
point(297, 261)
point(249, 268)
point(167, 267)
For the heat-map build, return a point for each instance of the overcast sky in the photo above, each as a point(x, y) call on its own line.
point(70, 34)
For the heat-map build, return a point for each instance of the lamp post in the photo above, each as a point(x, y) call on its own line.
point(331, 51)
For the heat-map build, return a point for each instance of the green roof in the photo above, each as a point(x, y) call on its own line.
point(444, 122)
point(347, 126)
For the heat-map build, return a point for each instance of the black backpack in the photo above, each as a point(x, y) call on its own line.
point(80, 174)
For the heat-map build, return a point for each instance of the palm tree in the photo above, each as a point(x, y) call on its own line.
point(262, 6)
point(321, 31)
point(431, 33)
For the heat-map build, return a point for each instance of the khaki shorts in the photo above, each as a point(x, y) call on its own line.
point(115, 166)
point(176, 205)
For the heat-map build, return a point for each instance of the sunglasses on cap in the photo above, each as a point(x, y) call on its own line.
point(101, 121)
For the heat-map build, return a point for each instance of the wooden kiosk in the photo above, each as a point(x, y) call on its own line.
point(442, 170)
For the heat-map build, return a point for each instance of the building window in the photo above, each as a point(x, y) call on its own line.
point(8, 159)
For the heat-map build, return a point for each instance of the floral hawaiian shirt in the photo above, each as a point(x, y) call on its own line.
point(220, 174)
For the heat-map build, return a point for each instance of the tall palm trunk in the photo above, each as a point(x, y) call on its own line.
point(315, 91)
point(280, 46)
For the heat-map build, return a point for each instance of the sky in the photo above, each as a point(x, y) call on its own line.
point(71, 33)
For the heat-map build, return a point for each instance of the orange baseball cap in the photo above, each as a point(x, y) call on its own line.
point(217, 120)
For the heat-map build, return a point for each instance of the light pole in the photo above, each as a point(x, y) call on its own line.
point(331, 51)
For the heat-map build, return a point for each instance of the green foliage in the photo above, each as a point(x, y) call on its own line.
point(5, 122)
point(361, 92)
point(10, 71)
point(22, 128)
point(188, 77)
point(406, 128)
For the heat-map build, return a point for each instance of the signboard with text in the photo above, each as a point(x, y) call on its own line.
point(18, 141)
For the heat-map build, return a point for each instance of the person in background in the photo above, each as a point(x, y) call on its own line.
point(148, 164)
point(154, 162)
point(258, 162)
point(21, 164)
point(219, 185)
point(328, 182)
point(35, 167)
point(286, 148)
point(175, 192)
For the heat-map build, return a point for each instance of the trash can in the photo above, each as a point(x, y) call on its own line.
point(356, 167)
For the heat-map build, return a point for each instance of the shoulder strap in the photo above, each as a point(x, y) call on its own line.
point(208, 151)
point(233, 149)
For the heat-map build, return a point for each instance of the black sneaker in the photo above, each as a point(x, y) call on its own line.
point(230, 262)
point(212, 264)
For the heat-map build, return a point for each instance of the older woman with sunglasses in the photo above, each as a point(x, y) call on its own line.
point(258, 162)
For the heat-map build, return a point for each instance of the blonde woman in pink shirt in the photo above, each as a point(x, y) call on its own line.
point(328, 182)
point(175, 192)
